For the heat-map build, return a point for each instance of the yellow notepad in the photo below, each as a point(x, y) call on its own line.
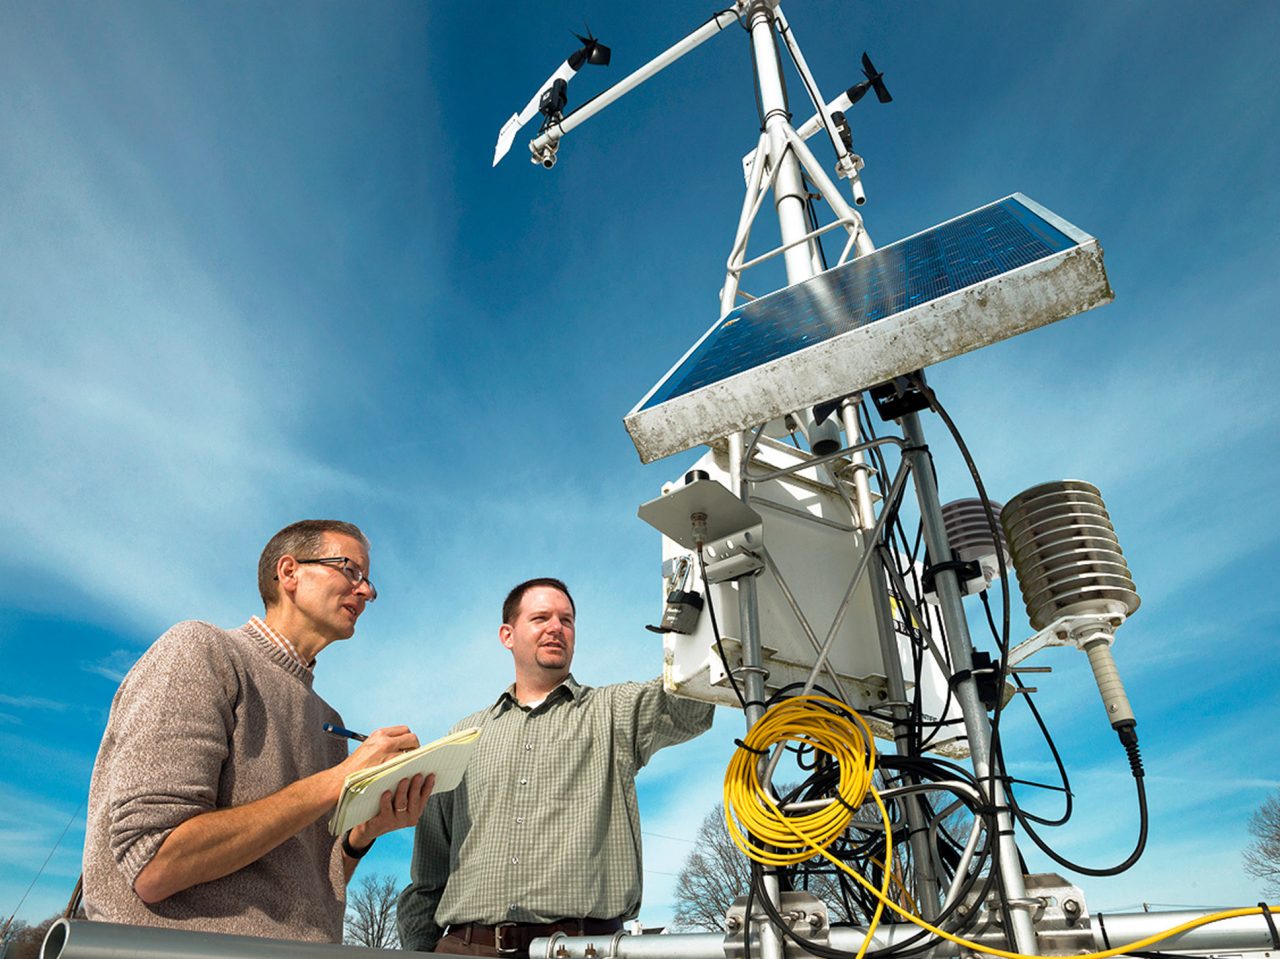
point(362, 791)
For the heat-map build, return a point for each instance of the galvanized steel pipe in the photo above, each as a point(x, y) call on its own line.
point(81, 939)
point(1243, 934)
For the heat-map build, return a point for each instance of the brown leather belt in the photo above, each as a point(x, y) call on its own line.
point(513, 938)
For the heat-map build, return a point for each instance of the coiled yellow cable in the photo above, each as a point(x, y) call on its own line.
point(767, 835)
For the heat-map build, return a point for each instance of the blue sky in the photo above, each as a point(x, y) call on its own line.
point(255, 266)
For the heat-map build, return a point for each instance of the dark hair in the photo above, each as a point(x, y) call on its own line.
point(298, 539)
point(511, 605)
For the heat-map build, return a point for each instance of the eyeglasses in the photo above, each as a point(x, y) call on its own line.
point(355, 575)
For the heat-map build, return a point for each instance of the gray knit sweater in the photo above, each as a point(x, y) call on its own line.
point(210, 718)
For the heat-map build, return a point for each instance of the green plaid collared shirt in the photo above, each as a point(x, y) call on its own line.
point(545, 825)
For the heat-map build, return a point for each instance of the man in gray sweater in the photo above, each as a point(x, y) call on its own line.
point(209, 797)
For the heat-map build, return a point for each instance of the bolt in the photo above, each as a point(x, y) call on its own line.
point(590, 951)
point(1071, 907)
point(815, 920)
point(733, 924)
point(562, 952)
point(699, 522)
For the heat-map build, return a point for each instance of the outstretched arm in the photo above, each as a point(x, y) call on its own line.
point(655, 719)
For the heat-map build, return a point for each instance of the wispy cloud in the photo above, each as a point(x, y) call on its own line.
point(30, 702)
point(34, 829)
point(113, 666)
point(228, 302)
point(111, 379)
point(675, 796)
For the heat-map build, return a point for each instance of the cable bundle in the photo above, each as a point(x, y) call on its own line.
point(771, 836)
point(762, 830)
point(813, 832)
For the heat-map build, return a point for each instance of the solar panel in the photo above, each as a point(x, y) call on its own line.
point(990, 274)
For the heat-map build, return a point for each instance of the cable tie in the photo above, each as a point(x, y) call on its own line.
point(1271, 924)
point(942, 566)
point(921, 448)
point(958, 677)
point(1102, 928)
point(741, 745)
point(840, 800)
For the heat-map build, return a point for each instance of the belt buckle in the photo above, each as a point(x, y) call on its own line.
point(498, 946)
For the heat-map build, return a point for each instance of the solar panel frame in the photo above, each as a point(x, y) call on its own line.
point(1068, 280)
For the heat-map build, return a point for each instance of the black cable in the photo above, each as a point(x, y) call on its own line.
point(755, 75)
point(1127, 734)
point(1130, 740)
point(818, 105)
point(715, 632)
point(988, 512)
point(782, 78)
point(811, 214)
point(1057, 759)
point(822, 782)
point(1003, 642)
point(1065, 787)
point(974, 886)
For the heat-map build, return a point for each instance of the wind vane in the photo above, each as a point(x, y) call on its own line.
point(552, 96)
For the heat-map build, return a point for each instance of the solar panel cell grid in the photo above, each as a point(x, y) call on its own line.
point(967, 250)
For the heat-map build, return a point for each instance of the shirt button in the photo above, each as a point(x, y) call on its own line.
point(515, 860)
point(511, 908)
point(524, 782)
point(528, 746)
point(519, 820)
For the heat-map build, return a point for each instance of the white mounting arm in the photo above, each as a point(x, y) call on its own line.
point(507, 135)
point(543, 147)
point(823, 116)
point(845, 161)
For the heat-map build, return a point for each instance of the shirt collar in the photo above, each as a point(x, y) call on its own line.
point(282, 641)
point(571, 687)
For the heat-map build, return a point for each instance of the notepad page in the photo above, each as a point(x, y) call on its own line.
point(362, 791)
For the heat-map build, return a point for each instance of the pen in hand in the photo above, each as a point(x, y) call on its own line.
point(336, 730)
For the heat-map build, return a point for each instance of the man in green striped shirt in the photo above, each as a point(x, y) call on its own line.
point(543, 834)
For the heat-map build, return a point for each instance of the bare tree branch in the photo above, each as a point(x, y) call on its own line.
point(20, 940)
point(1262, 856)
point(371, 913)
point(716, 873)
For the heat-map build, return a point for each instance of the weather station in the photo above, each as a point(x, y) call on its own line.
point(814, 575)
point(791, 589)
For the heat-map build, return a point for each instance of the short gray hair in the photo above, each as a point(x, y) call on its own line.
point(298, 539)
